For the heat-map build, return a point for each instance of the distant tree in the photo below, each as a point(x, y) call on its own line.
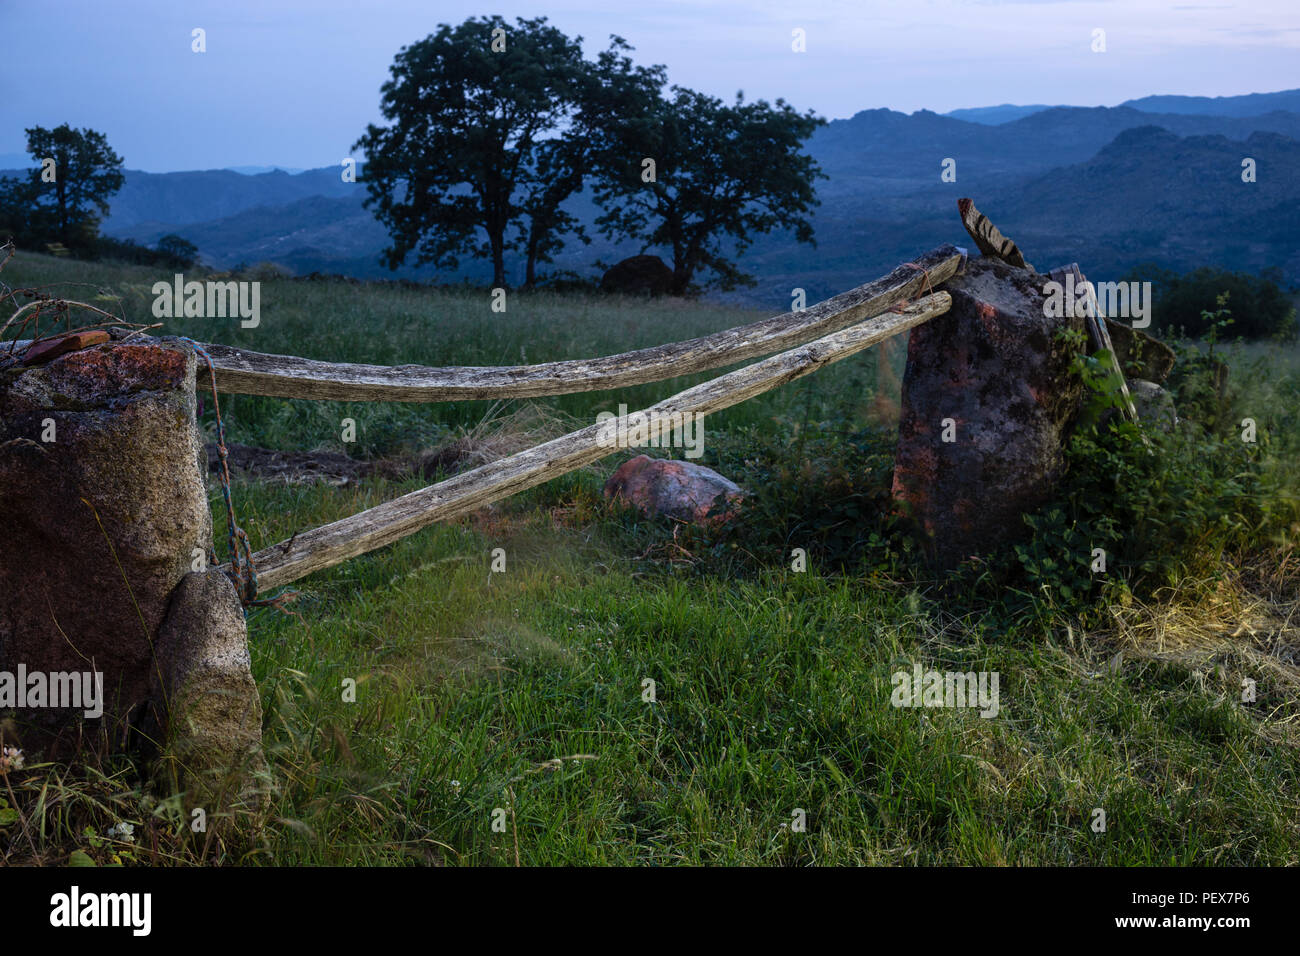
point(471, 151)
point(609, 87)
point(1259, 307)
point(85, 172)
point(722, 174)
point(179, 250)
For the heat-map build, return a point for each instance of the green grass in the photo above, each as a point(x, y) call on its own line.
point(523, 691)
point(772, 695)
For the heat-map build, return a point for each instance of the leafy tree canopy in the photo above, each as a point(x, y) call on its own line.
point(722, 174)
point(474, 110)
point(65, 196)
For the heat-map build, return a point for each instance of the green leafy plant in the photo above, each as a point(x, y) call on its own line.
point(1200, 377)
point(1163, 506)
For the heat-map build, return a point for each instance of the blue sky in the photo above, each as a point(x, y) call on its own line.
point(294, 82)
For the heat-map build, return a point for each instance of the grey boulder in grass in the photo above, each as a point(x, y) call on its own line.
point(1154, 405)
point(678, 489)
point(1139, 355)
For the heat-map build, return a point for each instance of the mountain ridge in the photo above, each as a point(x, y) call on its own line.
point(883, 198)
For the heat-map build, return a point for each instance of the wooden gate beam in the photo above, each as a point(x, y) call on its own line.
point(242, 372)
point(334, 543)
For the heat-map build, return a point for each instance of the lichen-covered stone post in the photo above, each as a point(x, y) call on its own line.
point(104, 512)
point(988, 401)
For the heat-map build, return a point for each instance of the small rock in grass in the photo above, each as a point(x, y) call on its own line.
point(1154, 405)
point(678, 489)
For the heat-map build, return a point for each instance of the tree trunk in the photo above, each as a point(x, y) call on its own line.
point(530, 269)
point(682, 270)
point(498, 259)
point(60, 191)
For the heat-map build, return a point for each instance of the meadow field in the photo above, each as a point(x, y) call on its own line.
point(522, 691)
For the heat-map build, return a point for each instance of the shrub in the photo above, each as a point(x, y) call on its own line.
point(263, 271)
point(181, 251)
point(1164, 506)
point(126, 250)
point(1185, 305)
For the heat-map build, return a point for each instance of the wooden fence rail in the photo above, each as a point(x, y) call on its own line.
point(331, 544)
point(285, 376)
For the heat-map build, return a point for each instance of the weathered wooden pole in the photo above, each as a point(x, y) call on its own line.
point(288, 376)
